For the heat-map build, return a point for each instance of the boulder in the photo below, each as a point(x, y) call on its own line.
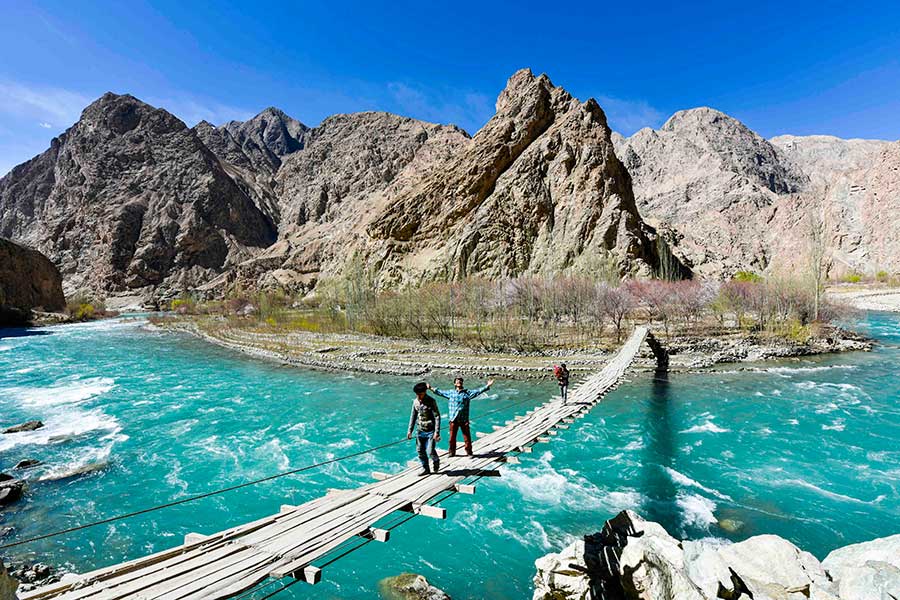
point(866, 570)
point(10, 491)
point(770, 565)
point(8, 584)
point(26, 426)
point(410, 586)
point(709, 571)
point(653, 568)
point(27, 463)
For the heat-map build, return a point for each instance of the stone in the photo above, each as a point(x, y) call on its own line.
point(11, 490)
point(27, 463)
point(409, 586)
point(653, 568)
point(709, 572)
point(866, 570)
point(774, 566)
point(26, 426)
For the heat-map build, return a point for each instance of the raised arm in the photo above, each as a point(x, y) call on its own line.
point(481, 390)
point(437, 392)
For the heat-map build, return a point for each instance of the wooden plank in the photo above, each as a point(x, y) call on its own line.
point(379, 476)
point(464, 488)
point(192, 538)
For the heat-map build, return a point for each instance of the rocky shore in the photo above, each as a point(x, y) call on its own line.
point(634, 559)
point(388, 356)
point(867, 297)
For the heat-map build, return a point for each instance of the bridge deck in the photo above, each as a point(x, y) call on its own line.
point(230, 562)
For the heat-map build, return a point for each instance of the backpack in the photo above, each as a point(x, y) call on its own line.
point(557, 370)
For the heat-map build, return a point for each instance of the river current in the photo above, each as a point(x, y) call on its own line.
point(806, 449)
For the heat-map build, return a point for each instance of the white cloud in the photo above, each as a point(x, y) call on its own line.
point(627, 116)
point(53, 106)
point(45, 125)
point(469, 110)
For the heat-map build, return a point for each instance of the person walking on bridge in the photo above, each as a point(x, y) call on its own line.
point(459, 398)
point(425, 418)
point(562, 378)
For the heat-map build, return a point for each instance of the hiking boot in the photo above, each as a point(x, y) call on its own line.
point(423, 471)
point(436, 466)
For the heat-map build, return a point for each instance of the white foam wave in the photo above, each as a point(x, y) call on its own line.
point(5, 348)
point(829, 494)
point(708, 427)
point(698, 511)
point(67, 391)
point(836, 425)
point(685, 481)
point(61, 428)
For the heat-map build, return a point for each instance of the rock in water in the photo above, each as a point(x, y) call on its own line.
point(10, 491)
point(28, 280)
point(27, 463)
point(27, 426)
point(129, 198)
point(409, 586)
point(8, 584)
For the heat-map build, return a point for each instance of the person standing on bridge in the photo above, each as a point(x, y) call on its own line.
point(562, 378)
point(426, 419)
point(459, 399)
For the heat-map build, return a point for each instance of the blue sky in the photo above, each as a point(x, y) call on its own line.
point(786, 67)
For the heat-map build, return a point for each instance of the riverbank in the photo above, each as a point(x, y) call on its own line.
point(392, 356)
point(866, 297)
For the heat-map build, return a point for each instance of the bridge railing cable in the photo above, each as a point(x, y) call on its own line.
point(230, 488)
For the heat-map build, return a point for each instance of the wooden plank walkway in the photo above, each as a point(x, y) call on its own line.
point(225, 564)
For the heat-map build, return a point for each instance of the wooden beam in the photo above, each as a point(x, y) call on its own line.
point(379, 535)
point(561, 426)
point(193, 538)
point(464, 488)
point(553, 432)
point(525, 449)
point(543, 439)
point(498, 427)
point(426, 510)
point(312, 575)
point(286, 508)
point(379, 476)
point(513, 460)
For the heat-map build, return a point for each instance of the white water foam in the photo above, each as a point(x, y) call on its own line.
point(829, 494)
point(685, 481)
point(708, 427)
point(698, 511)
point(67, 391)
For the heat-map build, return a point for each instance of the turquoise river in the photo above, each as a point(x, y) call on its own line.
point(806, 449)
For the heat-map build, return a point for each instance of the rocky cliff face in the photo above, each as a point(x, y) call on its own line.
point(537, 190)
point(129, 198)
point(715, 182)
point(28, 280)
point(737, 201)
point(634, 559)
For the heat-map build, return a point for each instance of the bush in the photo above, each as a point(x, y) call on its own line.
point(882, 276)
point(852, 277)
point(184, 306)
point(747, 277)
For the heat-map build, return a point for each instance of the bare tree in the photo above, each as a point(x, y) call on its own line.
point(816, 259)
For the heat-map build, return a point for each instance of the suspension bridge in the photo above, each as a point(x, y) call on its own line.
point(295, 543)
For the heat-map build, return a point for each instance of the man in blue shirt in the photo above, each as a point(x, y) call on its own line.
point(459, 399)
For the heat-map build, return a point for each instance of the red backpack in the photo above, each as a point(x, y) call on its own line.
point(557, 370)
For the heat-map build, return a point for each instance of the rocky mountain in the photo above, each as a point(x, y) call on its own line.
point(633, 558)
point(130, 199)
point(28, 280)
point(735, 201)
point(715, 182)
point(537, 190)
point(252, 152)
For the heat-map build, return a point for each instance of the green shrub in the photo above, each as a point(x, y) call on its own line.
point(882, 276)
point(852, 277)
point(747, 277)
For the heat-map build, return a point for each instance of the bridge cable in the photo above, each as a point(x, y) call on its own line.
point(223, 490)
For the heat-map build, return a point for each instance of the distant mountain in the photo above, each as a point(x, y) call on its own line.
point(129, 199)
point(734, 200)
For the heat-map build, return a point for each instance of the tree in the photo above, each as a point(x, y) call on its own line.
point(816, 260)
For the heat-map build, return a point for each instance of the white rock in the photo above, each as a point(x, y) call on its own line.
point(652, 568)
point(706, 568)
point(772, 563)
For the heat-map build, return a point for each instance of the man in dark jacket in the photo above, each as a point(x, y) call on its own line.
point(562, 377)
point(425, 418)
point(459, 398)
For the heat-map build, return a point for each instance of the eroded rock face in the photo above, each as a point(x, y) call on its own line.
point(129, 198)
point(28, 280)
point(735, 201)
point(8, 585)
point(537, 190)
point(715, 182)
